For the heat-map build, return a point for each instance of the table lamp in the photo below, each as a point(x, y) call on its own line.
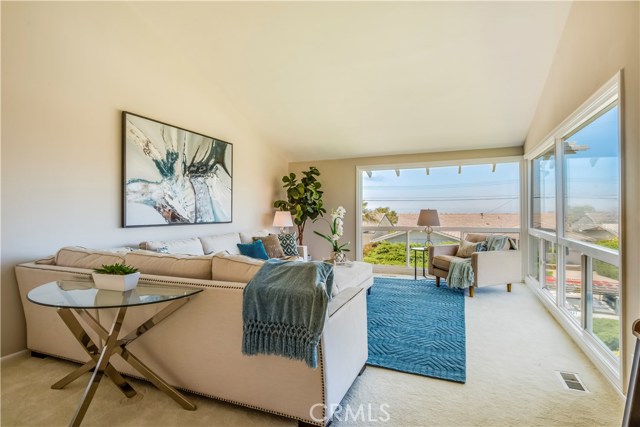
point(282, 219)
point(428, 218)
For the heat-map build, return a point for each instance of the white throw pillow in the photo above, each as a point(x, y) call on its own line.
point(221, 242)
point(248, 236)
point(184, 247)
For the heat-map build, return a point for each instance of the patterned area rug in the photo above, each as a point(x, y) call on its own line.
point(417, 328)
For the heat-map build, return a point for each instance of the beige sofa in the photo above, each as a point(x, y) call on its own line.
point(198, 348)
point(489, 268)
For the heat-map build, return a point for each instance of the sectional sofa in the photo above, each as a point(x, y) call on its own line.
point(198, 348)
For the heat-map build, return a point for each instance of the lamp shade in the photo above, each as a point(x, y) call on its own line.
point(428, 218)
point(282, 219)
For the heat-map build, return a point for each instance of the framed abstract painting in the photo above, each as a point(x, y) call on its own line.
point(173, 176)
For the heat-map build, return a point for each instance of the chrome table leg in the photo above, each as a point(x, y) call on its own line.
point(92, 349)
point(103, 362)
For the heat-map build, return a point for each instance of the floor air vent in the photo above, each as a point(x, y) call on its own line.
point(572, 381)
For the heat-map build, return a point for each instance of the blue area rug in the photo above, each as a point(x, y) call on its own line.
point(417, 328)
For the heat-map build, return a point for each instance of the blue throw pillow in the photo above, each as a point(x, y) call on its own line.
point(254, 250)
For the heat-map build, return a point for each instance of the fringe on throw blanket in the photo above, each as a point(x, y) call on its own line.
point(284, 309)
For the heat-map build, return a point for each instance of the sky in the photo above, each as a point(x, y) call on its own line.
point(592, 179)
point(475, 189)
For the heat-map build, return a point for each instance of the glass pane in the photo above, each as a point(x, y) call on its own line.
point(544, 191)
point(550, 269)
point(385, 247)
point(475, 196)
point(606, 305)
point(592, 182)
point(573, 283)
point(534, 258)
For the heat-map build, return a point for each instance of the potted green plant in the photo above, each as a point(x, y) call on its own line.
point(336, 226)
point(304, 198)
point(116, 277)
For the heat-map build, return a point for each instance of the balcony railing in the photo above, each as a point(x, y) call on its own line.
point(392, 237)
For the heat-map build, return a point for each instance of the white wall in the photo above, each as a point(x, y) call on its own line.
point(68, 69)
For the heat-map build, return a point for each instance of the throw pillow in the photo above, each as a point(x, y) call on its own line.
point(289, 244)
point(481, 246)
point(271, 245)
point(254, 250)
point(465, 249)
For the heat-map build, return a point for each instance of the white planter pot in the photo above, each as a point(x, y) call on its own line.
point(116, 282)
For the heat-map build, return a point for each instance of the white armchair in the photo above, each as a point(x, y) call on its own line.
point(489, 268)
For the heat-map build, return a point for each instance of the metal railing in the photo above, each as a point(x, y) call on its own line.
point(455, 233)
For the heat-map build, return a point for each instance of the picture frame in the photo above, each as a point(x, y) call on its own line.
point(173, 176)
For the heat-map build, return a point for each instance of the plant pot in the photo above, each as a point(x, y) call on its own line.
point(116, 282)
point(339, 257)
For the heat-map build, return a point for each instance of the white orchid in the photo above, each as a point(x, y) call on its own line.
point(336, 226)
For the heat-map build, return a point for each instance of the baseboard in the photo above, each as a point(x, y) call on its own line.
point(13, 355)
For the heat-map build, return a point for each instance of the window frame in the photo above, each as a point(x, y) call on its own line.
point(581, 332)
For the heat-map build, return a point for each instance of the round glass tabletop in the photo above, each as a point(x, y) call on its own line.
point(84, 294)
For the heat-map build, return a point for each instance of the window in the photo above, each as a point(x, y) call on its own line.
point(574, 253)
point(544, 191)
point(573, 283)
point(467, 196)
point(592, 186)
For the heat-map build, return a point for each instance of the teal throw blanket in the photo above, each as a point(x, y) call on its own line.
point(284, 309)
point(460, 274)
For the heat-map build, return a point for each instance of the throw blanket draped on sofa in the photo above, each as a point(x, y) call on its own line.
point(460, 271)
point(284, 309)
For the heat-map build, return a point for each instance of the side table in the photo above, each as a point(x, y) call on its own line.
point(73, 296)
point(415, 261)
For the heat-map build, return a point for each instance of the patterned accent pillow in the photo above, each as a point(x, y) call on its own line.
point(481, 246)
point(271, 245)
point(289, 244)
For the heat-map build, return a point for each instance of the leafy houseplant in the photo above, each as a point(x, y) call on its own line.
point(304, 198)
point(336, 226)
point(116, 277)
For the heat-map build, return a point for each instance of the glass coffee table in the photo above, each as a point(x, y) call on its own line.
point(75, 296)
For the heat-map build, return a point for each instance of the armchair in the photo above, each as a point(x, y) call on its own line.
point(489, 268)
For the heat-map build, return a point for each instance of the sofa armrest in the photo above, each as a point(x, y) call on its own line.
point(434, 251)
point(496, 267)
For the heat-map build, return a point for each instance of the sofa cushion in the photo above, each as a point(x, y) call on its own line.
point(466, 248)
point(75, 256)
point(185, 246)
point(247, 237)
point(443, 261)
point(289, 244)
point(271, 245)
point(221, 242)
point(475, 237)
point(194, 267)
point(253, 250)
point(234, 268)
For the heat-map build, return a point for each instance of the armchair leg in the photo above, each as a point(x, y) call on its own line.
point(508, 287)
point(471, 291)
point(437, 281)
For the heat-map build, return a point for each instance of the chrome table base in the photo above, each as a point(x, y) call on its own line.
point(100, 357)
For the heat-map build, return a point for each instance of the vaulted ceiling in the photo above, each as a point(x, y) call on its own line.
point(327, 80)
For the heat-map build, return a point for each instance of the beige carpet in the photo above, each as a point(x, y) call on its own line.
point(514, 348)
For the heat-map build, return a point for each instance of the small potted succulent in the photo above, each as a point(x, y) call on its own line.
point(116, 277)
